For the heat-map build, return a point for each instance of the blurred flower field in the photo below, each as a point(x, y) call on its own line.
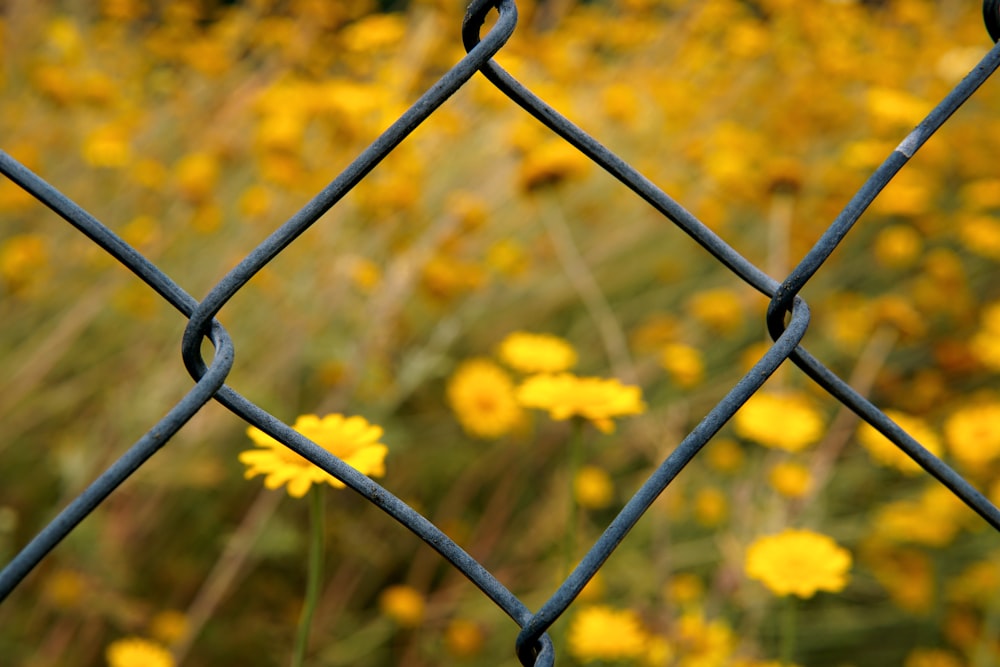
point(515, 339)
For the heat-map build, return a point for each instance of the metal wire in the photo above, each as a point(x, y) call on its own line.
point(532, 644)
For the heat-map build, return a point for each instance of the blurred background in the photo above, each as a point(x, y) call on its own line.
point(194, 129)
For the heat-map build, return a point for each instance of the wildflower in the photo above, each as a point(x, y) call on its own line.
point(885, 452)
point(906, 574)
point(23, 261)
point(445, 277)
point(597, 399)
point(978, 584)
point(550, 163)
point(798, 562)
point(482, 396)
point(599, 632)
point(365, 274)
point(254, 202)
point(658, 651)
point(169, 626)
point(898, 246)
point(908, 195)
point(352, 439)
point(403, 604)
point(932, 657)
point(658, 330)
point(791, 480)
point(784, 421)
point(932, 519)
point(981, 235)
point(700, 641)
point(985, 344)
point(683, 363)
point(724, 455)
point(594, 589)
point(107, 146)
point(137, 652)
point(64, 589)
point(374, 33)
point(719, 309)
point(507, 257)
point(463, 638)
point(536, 353)
point(710, 507)
point(973, 434)
point(982, 194)
point(685, 589)
point(468, 208)
point(197, 174)
point(896, 106)
point(593, 488)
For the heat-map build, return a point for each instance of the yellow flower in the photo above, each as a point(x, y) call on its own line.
point(565, 395)
point(906, 574)
point(196, 176)
point(710, 507)
point(985, 344)
point(683, 363)
point(798, 562)
point(599, 632)
point(932, 657)
point(933, 519)
point(403, 604)
point(886, 453)
point(64, 589)
point(550, 163)
point(107, 146)
point(724, 455)
point(898, 246)
point(981, 235)
point(136, 652)
point(464, 639)
point(685, 589)
point(536, 353)
point(445, 276)
point(792, 480)
point(482, 397)
point(351, 439)
point(719, 309)
point(700, 641)
point(593, 488)
point(169, 626)
point(785, 421)
point(24, 259)
point(973, 434)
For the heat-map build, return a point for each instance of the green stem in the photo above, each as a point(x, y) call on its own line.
point(788, 631)
point(575, 454)
point(314, 575)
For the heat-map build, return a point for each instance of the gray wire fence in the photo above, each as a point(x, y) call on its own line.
point(787, 318)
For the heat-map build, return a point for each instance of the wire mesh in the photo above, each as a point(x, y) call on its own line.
point(787, 318)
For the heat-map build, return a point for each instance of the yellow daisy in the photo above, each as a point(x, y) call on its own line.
point(597, 399)
point(137, 652)
point(351, 439)
point(599, 632)
point(785, 421)
point(536, 353)
point(798, 562)
point(482, 397)
point(886, 453)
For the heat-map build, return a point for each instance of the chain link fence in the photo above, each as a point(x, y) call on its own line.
point(787, 318)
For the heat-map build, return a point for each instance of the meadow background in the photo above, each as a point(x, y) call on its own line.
point(193, 129)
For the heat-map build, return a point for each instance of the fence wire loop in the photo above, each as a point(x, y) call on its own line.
point(787, 319)
point(991, 15)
